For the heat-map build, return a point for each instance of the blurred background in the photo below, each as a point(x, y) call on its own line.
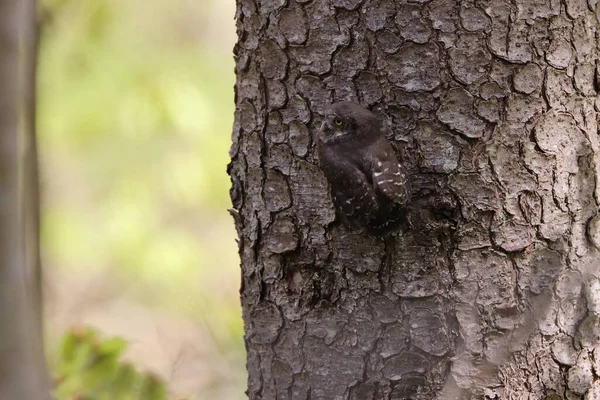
point(135, 112)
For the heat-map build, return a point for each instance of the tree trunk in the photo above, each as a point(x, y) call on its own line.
point(22, 363)
point(494, 290)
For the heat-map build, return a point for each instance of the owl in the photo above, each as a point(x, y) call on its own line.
point(369, 187)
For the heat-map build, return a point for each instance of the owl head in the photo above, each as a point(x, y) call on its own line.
point(347, 121)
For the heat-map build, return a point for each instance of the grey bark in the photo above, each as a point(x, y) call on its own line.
point(23, 373)
point(494, 291)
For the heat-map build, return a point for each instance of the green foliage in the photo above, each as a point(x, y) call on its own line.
point(89, 368)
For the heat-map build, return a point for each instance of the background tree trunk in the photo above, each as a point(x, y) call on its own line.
point(494, 290)
point(22, 362)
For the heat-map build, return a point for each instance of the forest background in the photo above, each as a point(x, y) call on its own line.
point(135, 108)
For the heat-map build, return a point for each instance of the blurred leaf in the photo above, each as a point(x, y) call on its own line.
point(112, 347)
point(152, 389)
point(125, 384)
point(77, 351)
point(100, 370)
point(69, 346)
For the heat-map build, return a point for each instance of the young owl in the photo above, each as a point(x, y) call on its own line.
point(369, 186)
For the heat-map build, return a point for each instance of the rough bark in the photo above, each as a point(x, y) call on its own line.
point(22, 364)
point(494, 290)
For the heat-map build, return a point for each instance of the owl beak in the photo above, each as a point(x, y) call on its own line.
point(325, 128)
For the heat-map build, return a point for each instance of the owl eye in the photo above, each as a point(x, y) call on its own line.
point(338, 122)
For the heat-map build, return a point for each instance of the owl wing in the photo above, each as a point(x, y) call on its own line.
point(353, 195)
point(389, 177)
point(351, 190)
point(390, 180)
